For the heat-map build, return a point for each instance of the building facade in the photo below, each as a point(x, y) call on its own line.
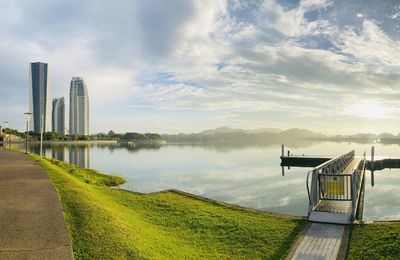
point(79, 107)
point(58, 116)
point(39, 96)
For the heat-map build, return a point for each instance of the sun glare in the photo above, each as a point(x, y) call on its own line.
point(370, 109)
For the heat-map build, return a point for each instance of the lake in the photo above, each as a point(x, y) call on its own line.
point(244, 174)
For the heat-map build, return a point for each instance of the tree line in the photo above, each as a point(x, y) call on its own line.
point(52, 136)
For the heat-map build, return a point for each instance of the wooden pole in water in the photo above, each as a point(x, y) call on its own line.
point(372, 156)
point(283, 151)
point(372, 166)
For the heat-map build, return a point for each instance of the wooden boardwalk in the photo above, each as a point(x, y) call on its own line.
point(32, 224)
point(322, 241)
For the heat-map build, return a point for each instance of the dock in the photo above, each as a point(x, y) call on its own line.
point(313, 161)
point(333, 185)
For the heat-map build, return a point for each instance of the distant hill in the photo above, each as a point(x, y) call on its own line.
point(225, 134)
point(224, 130)
point(300, 133)
point(264, 130)
point(274, 136)
point(221, 130)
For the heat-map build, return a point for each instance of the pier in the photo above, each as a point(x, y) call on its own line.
point(313, 161)
point(335, 198)
point(334, 185)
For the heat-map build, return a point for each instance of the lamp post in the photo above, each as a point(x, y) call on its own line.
point(41, 135)
point(6, 124)
point(28, 115)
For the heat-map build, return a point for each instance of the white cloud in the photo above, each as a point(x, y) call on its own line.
point(371, 47)
point(242, 66)
point(292, 22)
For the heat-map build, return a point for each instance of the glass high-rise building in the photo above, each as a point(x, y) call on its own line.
point(58, 116)
point(39, 96)
point(79, 107)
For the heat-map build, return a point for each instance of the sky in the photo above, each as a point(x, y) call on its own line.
point(172, 66)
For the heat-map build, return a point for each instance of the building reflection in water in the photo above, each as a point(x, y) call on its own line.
point(59, 153)
point(79, 155)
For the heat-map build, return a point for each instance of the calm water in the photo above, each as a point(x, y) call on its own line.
point(241, 174)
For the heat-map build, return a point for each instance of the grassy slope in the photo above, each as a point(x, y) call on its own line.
point(109, 223)
point(375, 241)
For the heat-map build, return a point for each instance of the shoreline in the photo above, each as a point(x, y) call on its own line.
point(66, 142)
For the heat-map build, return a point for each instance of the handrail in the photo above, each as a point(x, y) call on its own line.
point(308, 188)
point(359, 175)
point(335, 174)
point(351, 153)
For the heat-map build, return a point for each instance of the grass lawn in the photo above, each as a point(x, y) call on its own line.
point(108, 223)
point(375, 241)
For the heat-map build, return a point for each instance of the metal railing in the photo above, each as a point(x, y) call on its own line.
point(358, 176)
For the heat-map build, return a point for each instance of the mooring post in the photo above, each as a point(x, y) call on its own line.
point(372, 156)
point(283, 151)
point(372, 179)
point(372, 166)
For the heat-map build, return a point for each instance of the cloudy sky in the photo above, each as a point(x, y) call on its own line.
point(173, 66)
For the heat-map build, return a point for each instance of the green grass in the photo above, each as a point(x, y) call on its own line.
point(88, 175)
point(108, 223)
point(375, 241)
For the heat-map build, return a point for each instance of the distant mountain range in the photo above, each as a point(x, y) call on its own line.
point(226, 134)
point(223, 130)
point(272, 135)
point(293, 132)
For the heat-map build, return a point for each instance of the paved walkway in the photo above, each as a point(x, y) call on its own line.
point(31, 218)
point(322, 241)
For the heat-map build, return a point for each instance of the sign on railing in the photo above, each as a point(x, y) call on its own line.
point(335, 187)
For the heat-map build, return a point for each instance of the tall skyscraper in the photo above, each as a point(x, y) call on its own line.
point(39, 95)
point(58, 116)
point(79, 107)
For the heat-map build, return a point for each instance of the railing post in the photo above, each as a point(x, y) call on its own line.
point(353, 197)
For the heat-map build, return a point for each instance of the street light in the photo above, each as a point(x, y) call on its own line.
point(6, 125)
point(28, 115)
point(41, 135)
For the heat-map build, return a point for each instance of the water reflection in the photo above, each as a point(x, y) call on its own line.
point(79, 155)
point(245, 174)
point(59, 153)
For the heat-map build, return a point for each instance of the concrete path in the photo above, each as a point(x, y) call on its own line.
point(31, 218)
point(321, 241)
